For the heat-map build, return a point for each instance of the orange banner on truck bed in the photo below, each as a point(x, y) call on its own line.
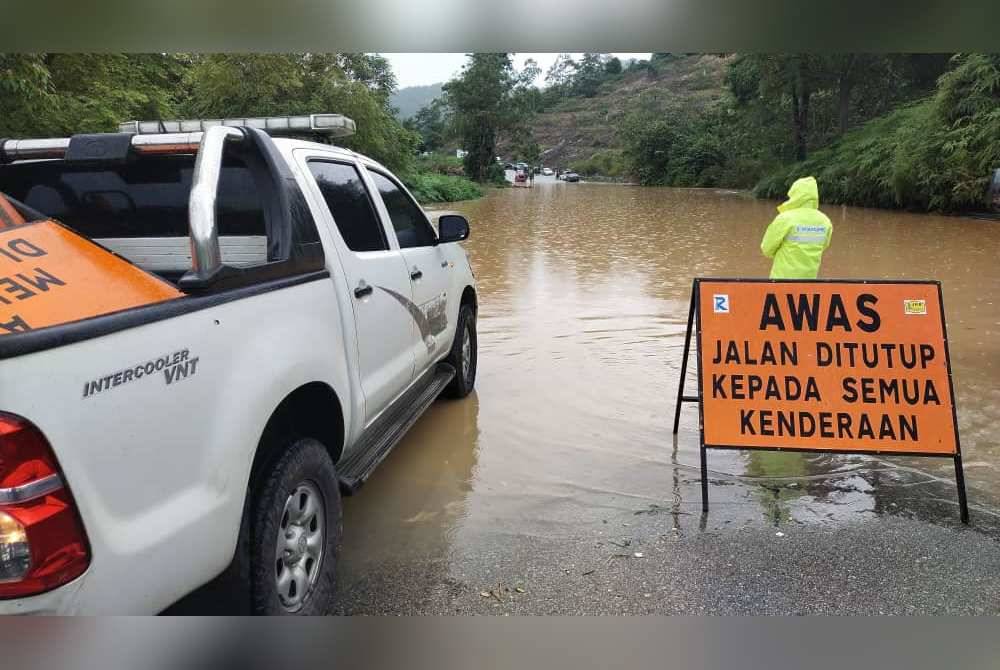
point(829, 366)
point(49, 275)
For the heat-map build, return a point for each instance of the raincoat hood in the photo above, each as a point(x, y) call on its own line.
point(803, 193)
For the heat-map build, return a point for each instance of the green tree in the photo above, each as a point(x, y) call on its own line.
point(935, 154)
point(525, 146)
point(589, 74)
point(356, 85)
point(640, 66)
point(25, 88)
point(224, 85)
point(795, 76)
point(561, 72)
point(679, 147)
point(848, 69)
point(432, 123)
point(478, 97)
point(822, 96)
point(62, 94)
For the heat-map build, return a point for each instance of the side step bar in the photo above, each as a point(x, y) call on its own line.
point(355, 468)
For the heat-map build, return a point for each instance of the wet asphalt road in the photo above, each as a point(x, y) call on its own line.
point(671, 559)
point(900, 567)
point(644, 564)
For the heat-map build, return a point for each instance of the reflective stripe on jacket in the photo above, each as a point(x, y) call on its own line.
point(799, 234)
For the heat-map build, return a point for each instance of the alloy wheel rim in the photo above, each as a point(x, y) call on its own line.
point(299, 546)
point(466, 354)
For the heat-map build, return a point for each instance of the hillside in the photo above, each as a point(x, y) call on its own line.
point(409, 100)
point(576, 128)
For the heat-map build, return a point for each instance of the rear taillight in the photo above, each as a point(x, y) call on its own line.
point(42, 543)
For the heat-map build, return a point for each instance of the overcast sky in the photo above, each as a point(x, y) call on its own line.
point(421, 69)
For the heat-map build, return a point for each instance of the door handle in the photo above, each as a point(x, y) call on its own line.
point(362, 290)
point(444, 264)
point(416, 274)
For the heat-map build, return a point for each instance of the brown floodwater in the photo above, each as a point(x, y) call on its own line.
point(583, 294)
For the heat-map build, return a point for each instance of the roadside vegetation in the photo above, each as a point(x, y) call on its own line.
point(440, 178)
point(912, 131)
point(45, 95)
point(607, 163)
point(936, 154)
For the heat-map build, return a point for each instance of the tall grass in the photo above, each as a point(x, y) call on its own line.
point(429, 187)
point(607, 163)
point(440, 178)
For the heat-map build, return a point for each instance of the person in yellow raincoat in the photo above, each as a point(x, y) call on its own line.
point(799, 235)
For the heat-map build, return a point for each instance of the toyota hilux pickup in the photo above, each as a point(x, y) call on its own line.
point(210, 330)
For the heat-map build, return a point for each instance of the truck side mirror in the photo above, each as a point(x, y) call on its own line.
point(452, 228)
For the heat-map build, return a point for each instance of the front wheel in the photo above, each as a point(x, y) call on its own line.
point(464, 354)
point(295, 536)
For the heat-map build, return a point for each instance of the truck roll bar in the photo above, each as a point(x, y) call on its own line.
point(206, 258)
point(293, 245)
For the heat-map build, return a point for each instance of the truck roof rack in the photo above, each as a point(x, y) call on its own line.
point(181, 136)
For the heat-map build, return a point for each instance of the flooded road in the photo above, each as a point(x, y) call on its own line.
point(583, 293)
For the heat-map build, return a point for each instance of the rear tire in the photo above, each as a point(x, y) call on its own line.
point(296, 526)
point(464, 354)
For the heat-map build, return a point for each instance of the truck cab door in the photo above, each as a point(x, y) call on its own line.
point(377, 279)
point(427, 265)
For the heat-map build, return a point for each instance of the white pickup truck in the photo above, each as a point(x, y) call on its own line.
point(207, 335)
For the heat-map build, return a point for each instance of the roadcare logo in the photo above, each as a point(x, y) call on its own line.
point(176, 366)
point(914, 307)
point(720, 303)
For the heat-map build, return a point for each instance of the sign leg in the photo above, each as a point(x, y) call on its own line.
point(704, 479)
point(963, 503)
point(684, 363)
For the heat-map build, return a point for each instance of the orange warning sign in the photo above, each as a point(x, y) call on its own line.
point(813, 365)
point(50, 275)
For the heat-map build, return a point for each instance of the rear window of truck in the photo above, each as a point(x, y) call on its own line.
point(147, 197)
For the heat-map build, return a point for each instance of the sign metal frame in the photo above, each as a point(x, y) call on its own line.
point(694, 325)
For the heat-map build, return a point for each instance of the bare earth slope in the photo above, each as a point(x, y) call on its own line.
point(578, 127)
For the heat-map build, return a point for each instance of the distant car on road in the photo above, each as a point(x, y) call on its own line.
point(520, 176)
point(547, 172)
point(571, 176)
